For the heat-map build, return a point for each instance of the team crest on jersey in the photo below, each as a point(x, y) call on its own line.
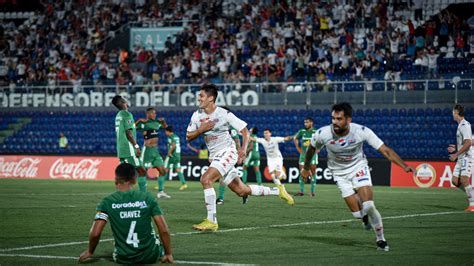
point(342, 142)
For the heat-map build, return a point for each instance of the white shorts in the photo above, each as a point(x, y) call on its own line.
point(360, 178)
point(224, 161)
point(463, 167)
point(275, 164)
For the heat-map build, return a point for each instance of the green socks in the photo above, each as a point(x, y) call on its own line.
point(313, 183)
point(142, 183)
point(301, 184)
point(181, 178)
point(221, 192)
point(161, 183)
point(259, 177)
point(244, 176)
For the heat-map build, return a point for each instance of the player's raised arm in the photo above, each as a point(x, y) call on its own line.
point(163, 123)
point(165, 238)
point(394, 157)
point(94, 237)
point(195, 131)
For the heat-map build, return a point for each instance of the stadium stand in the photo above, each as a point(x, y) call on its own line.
point(65, 43)
point(415, 133)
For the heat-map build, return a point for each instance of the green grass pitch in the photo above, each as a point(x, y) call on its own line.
point(422, 226)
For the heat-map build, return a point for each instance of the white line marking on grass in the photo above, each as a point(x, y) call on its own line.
point(247, 229)
point(76, 258)
point(39, 256)
point(53, 245)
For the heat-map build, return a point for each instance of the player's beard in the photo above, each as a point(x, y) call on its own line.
point(339, 130)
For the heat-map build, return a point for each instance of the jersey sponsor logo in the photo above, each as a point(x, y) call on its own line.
point(425, 175)
point(136, 204)
point(84, 169)
point(342, 142)
point(25, 168)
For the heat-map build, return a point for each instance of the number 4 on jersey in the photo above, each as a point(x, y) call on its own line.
point(132, 238)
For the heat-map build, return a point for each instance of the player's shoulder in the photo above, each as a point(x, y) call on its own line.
point(465, 123)
point(359, 127)
point(324, 131)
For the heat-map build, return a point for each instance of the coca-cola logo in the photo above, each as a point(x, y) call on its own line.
point(26, 167)
point(84, 169)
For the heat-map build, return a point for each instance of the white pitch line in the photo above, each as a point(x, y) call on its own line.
point(76, 258)
point(39, 256)
point(246, 229)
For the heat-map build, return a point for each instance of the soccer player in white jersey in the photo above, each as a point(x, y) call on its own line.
point(346, 160)
point(274, 157)
point(463, 154)
point(213, 123)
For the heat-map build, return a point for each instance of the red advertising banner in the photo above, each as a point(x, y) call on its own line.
point(58, 167)
point(428, 174)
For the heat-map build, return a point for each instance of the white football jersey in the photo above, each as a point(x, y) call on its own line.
point(271, 147)
point(345, 153)
point(219, 137)
point(464, 132)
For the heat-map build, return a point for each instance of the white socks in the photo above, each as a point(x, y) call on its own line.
point(368, 208)
point(470, 195)
point(210, 200)
point(357, 215)
point(263, 191)
point(276, 180)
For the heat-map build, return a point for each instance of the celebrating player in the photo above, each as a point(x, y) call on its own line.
point(213, 123)
point(128, 150)
point(463, 155)
point(305, 135)
point(150, 157)
point(346, 160)
point(173, 159)
point(129, 213)
point(274, 157)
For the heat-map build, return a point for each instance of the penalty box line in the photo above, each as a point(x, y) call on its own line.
point(242, 229)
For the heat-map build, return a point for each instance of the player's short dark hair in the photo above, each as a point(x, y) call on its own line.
point(150, 109)
point(309, 119)
point(169, 128)
point(254, 130)
point(460, 109)
point(116, 100)
point(267, 129)
point(345, 107)
point(125, 173)
point(210, 89)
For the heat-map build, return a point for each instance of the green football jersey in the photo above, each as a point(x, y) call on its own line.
point(130, 214)
point(123, 122)
point(233, 133)
point(255, 151)
point(305, 136)
point(149, 128)
point(174, 139)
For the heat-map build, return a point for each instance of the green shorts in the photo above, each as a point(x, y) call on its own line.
point(252, 160)
point(137, 162)
point(314, 161)
point(173, 162)
point(151, 158)
point(147, 256)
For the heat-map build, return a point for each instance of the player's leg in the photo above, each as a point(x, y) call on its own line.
point(141, 180)
point(465, 173)
point(235, 184)
point(362, 182)
point(300, 178)
point(178, 170)
point(137, 163)
point(220, 198)
point(162, 169)
point(245, 167)
point(256, 169)
point(207, 179)
point(313, 166)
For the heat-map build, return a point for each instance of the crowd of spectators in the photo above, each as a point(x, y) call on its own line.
point(229, 41)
